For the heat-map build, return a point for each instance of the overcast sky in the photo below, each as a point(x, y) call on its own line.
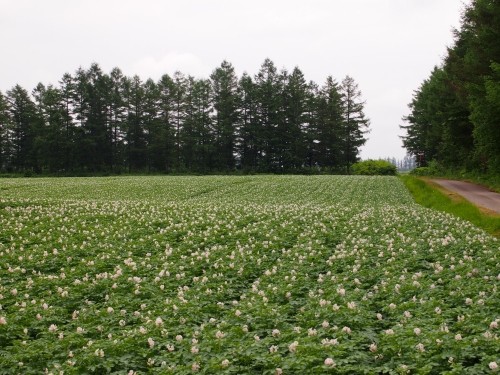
point(388, 46)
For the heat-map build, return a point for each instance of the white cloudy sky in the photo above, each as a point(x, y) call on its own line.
point(388, 46)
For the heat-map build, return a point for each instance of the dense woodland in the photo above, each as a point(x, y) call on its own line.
point(97, 122)
point(455, 114)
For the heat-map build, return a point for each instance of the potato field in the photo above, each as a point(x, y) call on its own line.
point(241, 275)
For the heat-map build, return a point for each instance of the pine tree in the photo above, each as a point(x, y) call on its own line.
point(198, 144)
point(225, 102)
point(247, 136)
point(269, 104)
point(167, 92)
point(354, 125)
point(5, 150)
point(117, 119)
point(293, 127)
point(136, 138)
point(180, 88)
point(67, 96)
point(22, 129)
point(329, 131)
point(51, 137)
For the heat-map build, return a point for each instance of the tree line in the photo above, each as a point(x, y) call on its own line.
point(454, 116)
point(274, 122)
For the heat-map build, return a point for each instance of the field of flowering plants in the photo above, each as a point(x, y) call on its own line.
point(241, 275)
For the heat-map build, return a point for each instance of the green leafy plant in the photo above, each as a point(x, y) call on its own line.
point(374, 167)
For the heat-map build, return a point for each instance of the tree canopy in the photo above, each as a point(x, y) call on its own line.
point(454, 115)
point(93, 122)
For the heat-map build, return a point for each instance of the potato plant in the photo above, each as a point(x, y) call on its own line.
point(241, 275)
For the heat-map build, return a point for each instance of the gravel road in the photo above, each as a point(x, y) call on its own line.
point(476, 194)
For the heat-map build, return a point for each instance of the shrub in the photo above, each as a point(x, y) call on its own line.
point(374, 167)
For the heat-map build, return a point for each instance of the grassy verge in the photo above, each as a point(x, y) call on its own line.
point(432, 196)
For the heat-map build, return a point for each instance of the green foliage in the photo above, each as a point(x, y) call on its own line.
point(374, 167)
point(241, 275)
point(433, 169)
point(96, 123)
point(454, 113)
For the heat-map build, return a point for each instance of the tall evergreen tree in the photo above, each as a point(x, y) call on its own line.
point(5, 150)
point(329, 130)
point(166, 134)
point(198, 146)
point(136, 136)
point(69, 146)
point(51, 138)
point(179, 95)
point(293, 126)
point(355, 124)
point(117, 120)
point(225, 102)
point(22, 132)
point(247, 136)
point(269, 102)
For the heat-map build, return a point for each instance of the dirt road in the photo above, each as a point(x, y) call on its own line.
point(476, 194)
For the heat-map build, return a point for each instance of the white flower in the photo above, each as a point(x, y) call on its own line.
point(325, 324)
point(110, 310)
point(151, 342)
point(407, 314)
point(458, 337)
point(373, 347)
point(170, 347)
point(437, 310)
point(3, 320)
point(278, 371)
point(417, 331)
point(493, 366)
point(158, 321)
point(220, 334)
point(346, 330)
point(225, 363)
point(99, 353)
point(195, 366)
point(420, 347)
point(389, 331)
point(178, 338)
point(379, 316)
point(494, 325)
point(276, 332)
point(327, 342)
point(329, 362)
point(194, 350)
point(273, 349)
point(293, 346)
point(52, 328)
